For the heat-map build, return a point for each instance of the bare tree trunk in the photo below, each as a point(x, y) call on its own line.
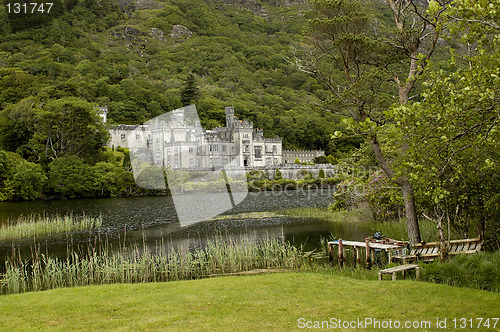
point(443, 248)
point(410, 211)
point(482, 223)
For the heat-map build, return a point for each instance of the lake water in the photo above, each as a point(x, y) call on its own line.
point(150, 221)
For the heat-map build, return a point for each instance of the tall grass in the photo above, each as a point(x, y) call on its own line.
point(481, 270)
point(324, 213)
point(35, 226)
point(397, 230)
point(354, 272)
point(100, 266)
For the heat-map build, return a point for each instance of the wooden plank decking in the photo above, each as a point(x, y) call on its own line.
point(363, 244)
point(386, 244)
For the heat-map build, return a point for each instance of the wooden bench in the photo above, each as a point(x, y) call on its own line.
point(427, 252)
point(402, 268)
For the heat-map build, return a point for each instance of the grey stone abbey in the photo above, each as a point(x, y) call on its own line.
point(177, 140)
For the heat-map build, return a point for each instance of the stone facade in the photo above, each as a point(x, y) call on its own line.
point(178, 140)
point(304, 156)
point(102, 112)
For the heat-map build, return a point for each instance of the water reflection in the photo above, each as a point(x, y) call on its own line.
point(152, 221)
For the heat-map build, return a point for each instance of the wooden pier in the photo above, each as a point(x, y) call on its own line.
point(386, 244)
point(397, 250)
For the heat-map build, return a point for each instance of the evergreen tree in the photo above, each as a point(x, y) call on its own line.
point(190, 92)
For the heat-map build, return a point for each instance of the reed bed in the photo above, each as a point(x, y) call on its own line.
point(324, 213)
point(100, 266)
point(397, 230)
point(37, 226)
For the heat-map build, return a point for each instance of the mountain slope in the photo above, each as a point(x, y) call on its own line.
point(135, 57)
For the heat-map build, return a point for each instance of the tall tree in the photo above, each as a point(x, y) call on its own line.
point(190, 92)
point(368, 63)
point(68, 127)
point(452, 133)
point(17, 125)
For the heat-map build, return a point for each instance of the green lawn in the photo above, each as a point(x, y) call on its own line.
point(243, 303)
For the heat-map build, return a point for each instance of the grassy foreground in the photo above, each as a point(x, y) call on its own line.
point(236, 303)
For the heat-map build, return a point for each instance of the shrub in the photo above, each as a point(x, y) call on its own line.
point(481, 270)
point(348, 195)
point(383, 196)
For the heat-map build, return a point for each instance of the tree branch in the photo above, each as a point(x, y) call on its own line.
point(468, 20)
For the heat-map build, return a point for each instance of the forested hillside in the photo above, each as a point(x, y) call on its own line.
point(136, 57)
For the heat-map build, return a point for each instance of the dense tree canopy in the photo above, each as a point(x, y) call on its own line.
point(449, 134)
point(136, 61)
point(452, 134)
point(68, 127)
point(368, 63)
